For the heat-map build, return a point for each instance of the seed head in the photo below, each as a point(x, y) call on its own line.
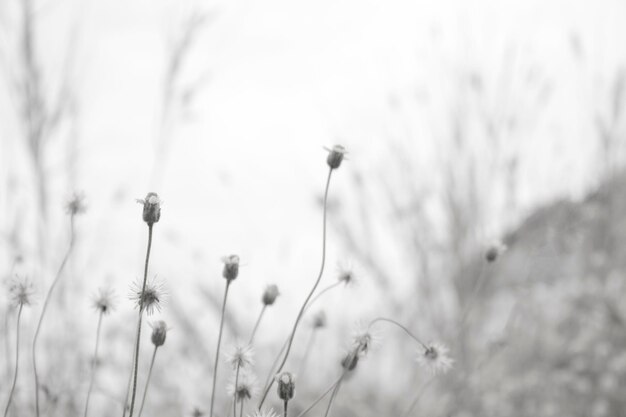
point(350, 361)
point(241, 356)
point(346, 274)
point(159, 332)
point(435, 357)
point(270, 294)
point(76, 205)
point(335, 156)
point(286, 386)
point(362, 342)
point(151, 298)
point(266, 413)
point(494, 251)
point(319, 320)
point(246, 387)
point(103, 301)
point(231, 267)
point(151, 208)
point(21, 292)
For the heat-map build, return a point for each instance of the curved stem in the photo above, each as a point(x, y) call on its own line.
point(235, 394)
point(256, 326)
point(333, 396)
point(217, 351)
point(93, 364)
point(141, 310)
point(44, 308)
point(308, 298)
point(400, 326)
point(321, 397)
point(145, 391)
point(17, 360)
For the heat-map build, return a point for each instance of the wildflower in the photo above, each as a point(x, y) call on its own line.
point(494, 251)
point(266, 413)
point(231, 267)
point(246, 387)
point(151, 208)
point(362, 342)
point(76, 205)
point(270, 294)
point(159, 332)
point(319, 320)
point(103, 302)
point(21, 292)
point(241, 356)
point(435, 357)
point(150, 299)
point(286, 386)
point(335, 156)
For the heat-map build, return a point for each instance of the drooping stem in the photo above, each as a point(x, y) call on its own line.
point(256, 326)
point(400, 326)
point(217, 351)
point(44, 308)
point(145, 391)
point(333, 396)
point(94, 363)
point(235, 393)
point(308, 298)
point(141, 310)
point(17, 360)
point(321, 397)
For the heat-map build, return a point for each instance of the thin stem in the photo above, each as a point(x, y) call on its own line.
point(400, 326)
point(17, 360)
point(333, 396)
point(285, 412)
point(235, 394)
point(241, 409)
point(145, 391)
point(94, 363)
point(418, 396)
point(307, 351)
point(308, 298)
point(321, 397)
point(141, 309)
point(130, 381)
point(217, 351)
point(44, 308)
point(7, 341)
point(256, 326)
point(477, 287)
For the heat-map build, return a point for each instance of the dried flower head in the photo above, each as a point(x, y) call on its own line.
point(319, 320)
point(21, 292)
point(151, 208)
point(270, 294)
point(350, 361)
point(435, 357)
point(246, 387)
point(363, 341)
point(151, 297)
point(241, 356)
point(76, 204)
point(494, 251)
point(286, 386)
point(231, 267)
point(346, 274)
point(159, 332)
point(335, 156)
point(103, 301)
point(266, 413)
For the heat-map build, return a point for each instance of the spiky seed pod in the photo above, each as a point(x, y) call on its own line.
point(151, 298)
point(335, 156)
point(103, 302)
point(151, 208)
point(246, 387)
point(286, 386)
point(21, 292)
point(270, 294)
point(159, 332)
point(231, 267)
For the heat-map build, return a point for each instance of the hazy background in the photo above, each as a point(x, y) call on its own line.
point(461, 118)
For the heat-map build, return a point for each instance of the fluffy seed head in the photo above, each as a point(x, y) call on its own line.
point(151, 208)
point(335, 156)
point(103, 301)
point(197, 412)
point(362, 342)
point(246, 387)
point(151, 298)
point(231, 267)
point(159, 332)
point(270, 294)
point(76, 205)
point(21, 292)
point(435, 357)
point(286, 386)
point(241, 356)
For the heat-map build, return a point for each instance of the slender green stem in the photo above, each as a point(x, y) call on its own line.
point(44, 308)
point(308, 298)
point(235, 393)
point(256, 326)
point(400, 326)
point(307, 351)
point(217, 351)
point(17, 360)
point(94, 363)
point(333, 396)
point(321, 397)
point(145, 390)
point(141, 310)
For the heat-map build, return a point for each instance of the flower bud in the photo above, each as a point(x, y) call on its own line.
point(335, 156)
point(159, 332)
point(286, 386)
point(231, 267)
point(151, 208)
point(350, 361)
point(270, 294)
